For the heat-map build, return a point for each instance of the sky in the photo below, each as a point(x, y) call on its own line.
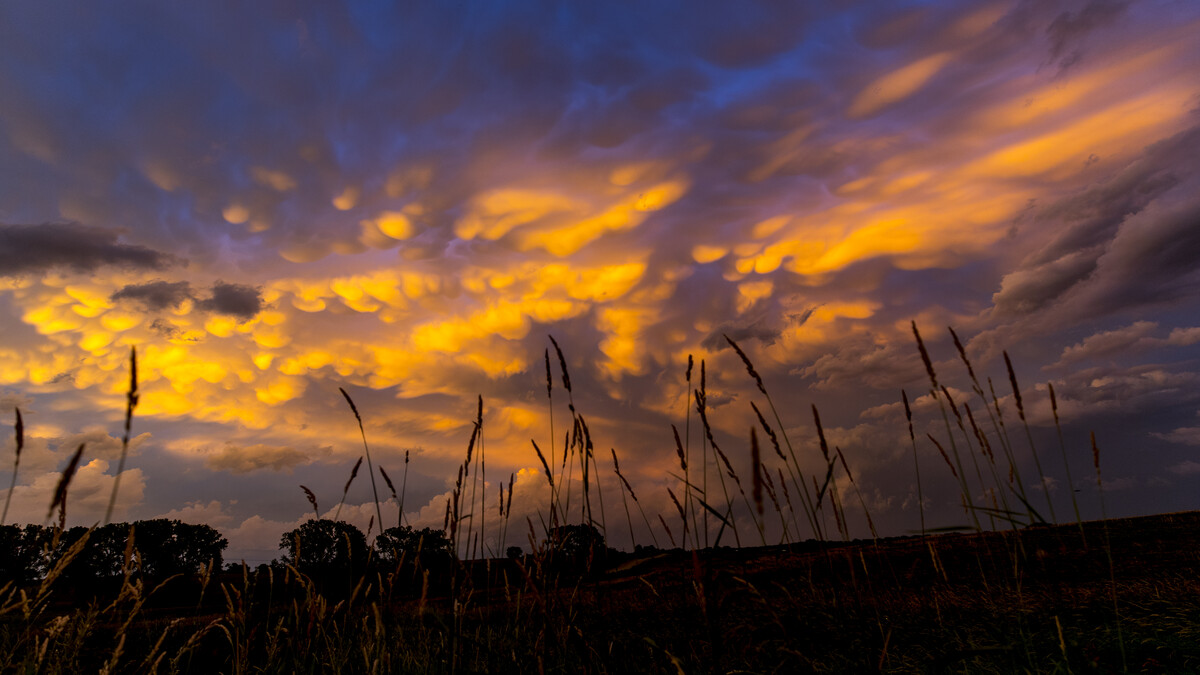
point(406, 200)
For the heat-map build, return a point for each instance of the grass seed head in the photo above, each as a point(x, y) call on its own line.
point(679, 449)
point(770, 432)
point(312, 499)
point(353, 474)
point(64, 481)
point(353, 408)
point(542, 458)
point(756, 460)
point(388, 481)
point(821, 433)
point(962, 353)
point(1012, 378)
point(562, 364)
point(19, 432)
point(749, 366)
point(925, 356)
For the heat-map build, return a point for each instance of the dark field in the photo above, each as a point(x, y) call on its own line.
point(1034, 600)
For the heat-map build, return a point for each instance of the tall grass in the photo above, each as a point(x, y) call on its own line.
point(367, 452)
point(803, 606)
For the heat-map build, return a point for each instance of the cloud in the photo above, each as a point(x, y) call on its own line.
point(1087, 225)
point(715, 340)
point(87, 495)
point(1069, 29)
point(232, 299)
point(1186, 468)
point(236, 459)
point(26, 249)
point(1182, 435)
point(1129, 389)
point(1128, 341)
point(409, 204)
point(156, 295)
point(1134, 336)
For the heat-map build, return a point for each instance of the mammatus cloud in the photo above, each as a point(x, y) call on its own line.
point(26, 249)
point(410, 203)
point(233, 299)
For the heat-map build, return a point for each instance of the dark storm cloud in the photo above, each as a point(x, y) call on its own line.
point(156, 295)
point(234, 299)
point(329, 96)
point(35, 249)
point(1140, 225)
point(1070, 28)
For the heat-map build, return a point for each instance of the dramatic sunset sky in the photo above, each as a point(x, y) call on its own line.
point(273, 200)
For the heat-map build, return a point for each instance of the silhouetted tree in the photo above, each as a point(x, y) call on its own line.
point(23, 558)
point(514, 552)
point(102, 558)
point(161, 548)
point(169, 547)
point(414, 560)
point(326, 548)
point(576, 547)
point(428, 547)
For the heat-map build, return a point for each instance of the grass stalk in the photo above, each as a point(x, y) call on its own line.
point(19, 439)
point(996, 418)
point(550, 411)
point(688, 502)
point(700, 408)
point(916, 463)
point(968, 501)
point(131, 401)
point(353, 474)
point(1112, 570)
point(798, 476)
point(367, 452)
point(1062, 446)
point(60, 491)
point(1012, 378)
point(633, 495)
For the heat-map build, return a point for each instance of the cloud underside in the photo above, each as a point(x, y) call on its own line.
point(27, 249)
point(234, 299)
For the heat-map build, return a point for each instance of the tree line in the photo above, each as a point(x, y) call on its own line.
point(320, 548)
point(155, 549)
